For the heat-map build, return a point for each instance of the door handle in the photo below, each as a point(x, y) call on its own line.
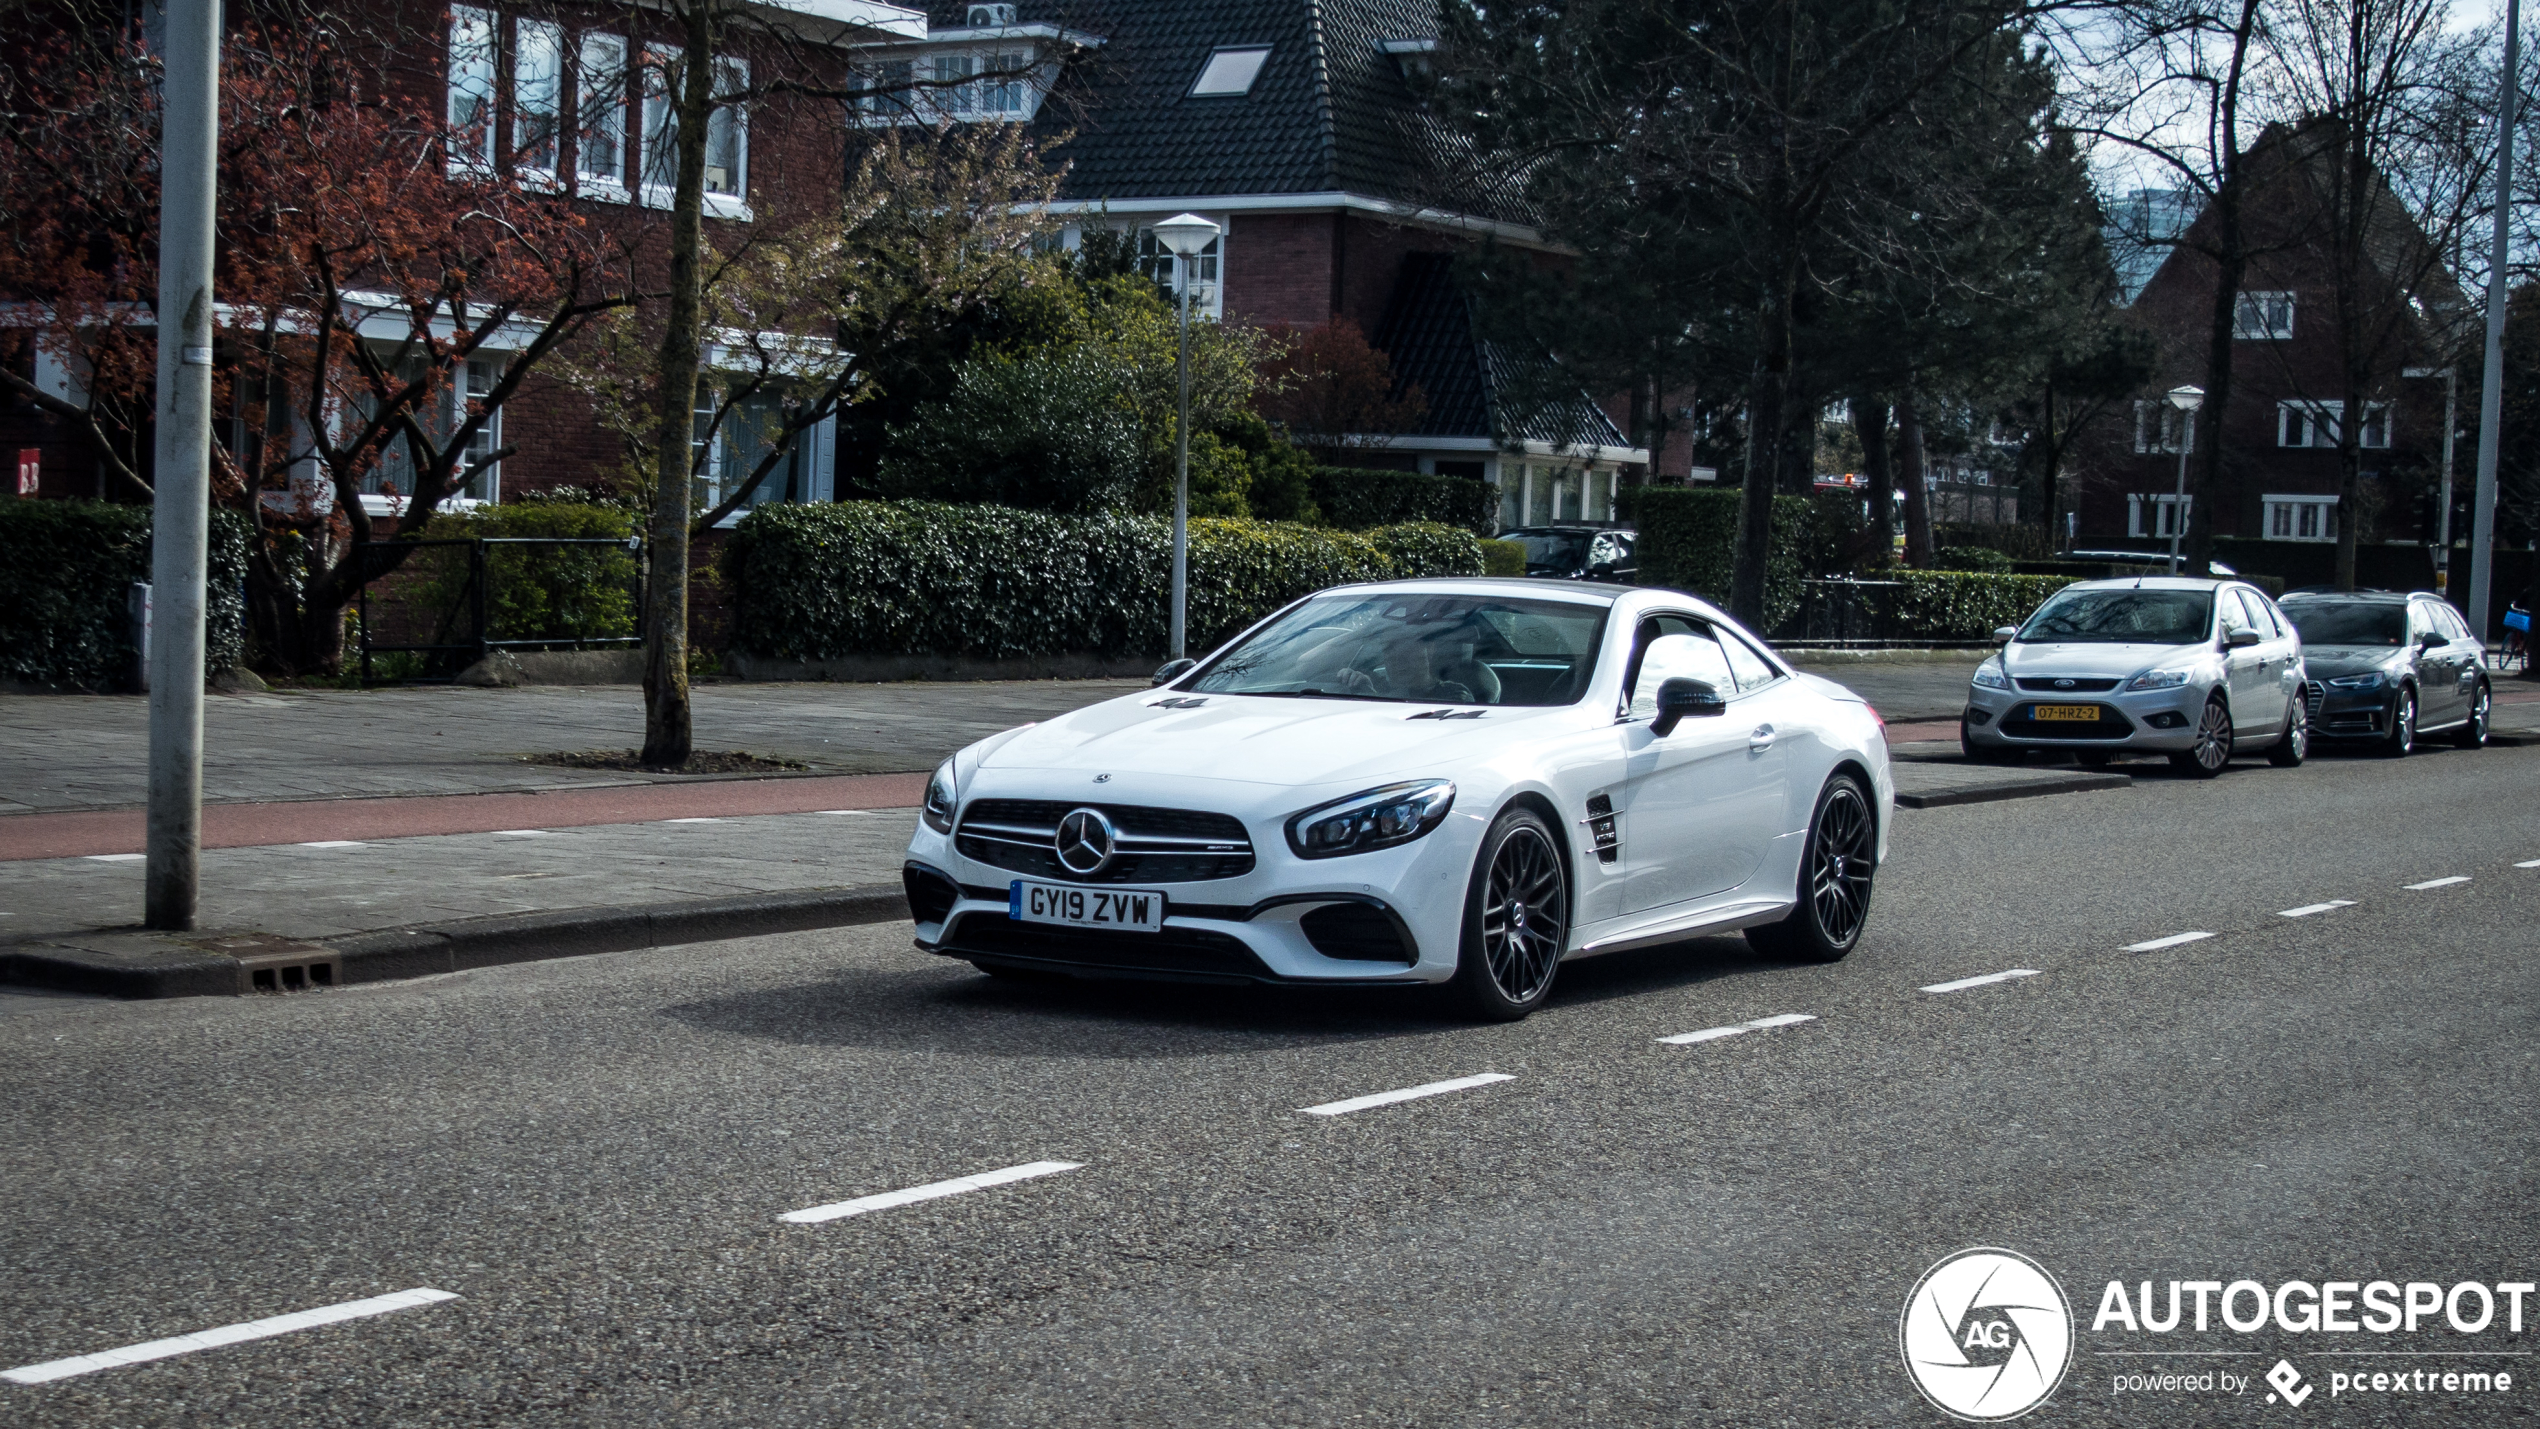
point(1761, 739)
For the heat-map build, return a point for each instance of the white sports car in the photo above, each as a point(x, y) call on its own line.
point(1435, 781)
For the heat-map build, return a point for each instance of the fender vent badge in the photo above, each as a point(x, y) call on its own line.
point(1448, 714)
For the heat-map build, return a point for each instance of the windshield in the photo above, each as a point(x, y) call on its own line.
point(1437, 649)
point(2123, 617)
point(1553, 550)
point(2349, 622)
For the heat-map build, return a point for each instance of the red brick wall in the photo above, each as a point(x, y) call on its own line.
point(1280, 268)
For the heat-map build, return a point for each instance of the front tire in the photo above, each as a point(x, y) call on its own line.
point(1516, 920)
point(1835, 872)
point(2401, 741)
point(2473, 732)
point(2295, 746)
point(2212, 753)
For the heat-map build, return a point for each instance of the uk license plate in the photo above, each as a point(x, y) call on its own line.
point(2087, 713)
point(1128, 910)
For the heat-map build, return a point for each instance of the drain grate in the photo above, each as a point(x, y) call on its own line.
point(267, 963)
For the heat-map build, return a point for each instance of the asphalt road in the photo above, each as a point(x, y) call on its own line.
point(592, 1156)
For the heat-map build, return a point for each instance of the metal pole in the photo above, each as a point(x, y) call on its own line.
point(2178, 512)
point(1182, 471)
point(2491, 397)
point(181, 461)
point(2443, 522)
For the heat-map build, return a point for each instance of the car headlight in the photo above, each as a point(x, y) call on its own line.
point(940, 794)
point(2158, 680)
point(2370, 680)
point(1990, 676)
point(1373, 819)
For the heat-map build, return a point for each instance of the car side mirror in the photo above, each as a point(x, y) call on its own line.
point(1680, 699)
point(2005, 634)
point(2241, 639)
point(2432, 640)
point(1601, 571)
point(1170, 671)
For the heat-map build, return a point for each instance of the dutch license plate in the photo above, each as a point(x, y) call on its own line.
point(1134, 910)
point(2088, 713)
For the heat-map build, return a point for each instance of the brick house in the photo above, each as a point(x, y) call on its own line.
point(2281, 474)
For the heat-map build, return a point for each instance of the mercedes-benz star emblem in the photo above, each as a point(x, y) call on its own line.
point(1085, 841)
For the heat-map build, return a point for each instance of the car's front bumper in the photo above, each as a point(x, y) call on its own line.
point(2154, 720)
point(2353, 713)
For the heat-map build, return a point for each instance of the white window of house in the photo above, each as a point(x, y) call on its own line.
point(1002, 97)
point(727, 136)
point(482, 374)
point(2308, 424)
point(600, 116)
point(953, 95)
point(1230, 72)
point(2155, 514)
point(2376, 432)
point(887, 93)
point(393, 474)
point(2301, 518)
point(1156, 261)
point(2159, 427)
point(537, 95)
point(2264, 317)
point(661, 122)
point(471, 107)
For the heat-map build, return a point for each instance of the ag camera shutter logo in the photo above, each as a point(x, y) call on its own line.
point(1987, 1334)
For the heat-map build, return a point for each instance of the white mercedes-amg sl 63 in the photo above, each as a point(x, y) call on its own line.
point(1434, 781)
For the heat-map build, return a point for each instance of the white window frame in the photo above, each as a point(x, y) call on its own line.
point(2263, 315)
point(2164, 507)
point(2320, 424)
point(599, 118)
point(476, 382)
point(2159, 427)
point(1226, 60)
point(1012, 99)
point(474, 60)
point(659, 120)
point(2298, 516)
point(537, 94)
point(1207, 278)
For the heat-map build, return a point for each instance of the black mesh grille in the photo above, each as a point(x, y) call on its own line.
point(1193, 951)
point(930, 894)
point(1036, 820)
point(1356, 932)
point(2056, 685)
point(2110, 725)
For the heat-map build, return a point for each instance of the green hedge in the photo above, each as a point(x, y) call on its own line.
point(1966, 605)
point(543, 592)
point(922, 578)
point(65, 567)
point(1503, 558)
point(1360, 499)
point(1688, 541)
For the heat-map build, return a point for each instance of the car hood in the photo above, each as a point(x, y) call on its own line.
point(2324, 661)
point(1273, 742)
point(2024, 660)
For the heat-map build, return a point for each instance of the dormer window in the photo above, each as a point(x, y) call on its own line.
point(1230, 73)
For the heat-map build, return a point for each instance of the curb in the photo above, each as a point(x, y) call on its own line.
point(137, 965)
point(1994, 793)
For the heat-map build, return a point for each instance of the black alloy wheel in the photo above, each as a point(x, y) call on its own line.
point(2289, 751)
point(1835, 873)
point(2473, 731)
point(2401, 741)
point(2212, 752)
point(1516, 920)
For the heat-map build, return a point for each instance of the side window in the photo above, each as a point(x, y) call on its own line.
point(2453, 624)
point(2420, 621)
point(2253, 609)
point(1753, 670)
point(1688, 653)
point(2235, 615)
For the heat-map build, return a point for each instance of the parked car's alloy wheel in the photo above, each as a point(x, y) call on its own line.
point(2290, 751)
point(2473, 732)
point(1835, 872)
point(2212, 753)
point(2402, 738)
point(1516, 920)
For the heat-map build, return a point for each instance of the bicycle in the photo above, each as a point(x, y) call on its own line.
point(2515, 650)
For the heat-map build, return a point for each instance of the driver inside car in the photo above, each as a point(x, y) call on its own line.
point(1435, 664)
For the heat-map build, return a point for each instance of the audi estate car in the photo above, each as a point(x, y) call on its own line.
point(2195, 669)
point(2386, 668)
point(1455, 782)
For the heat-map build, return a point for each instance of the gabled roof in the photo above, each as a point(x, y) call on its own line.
point(1475, 387)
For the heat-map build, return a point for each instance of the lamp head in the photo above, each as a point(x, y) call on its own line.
point(2187, 399)
point(1187, 235)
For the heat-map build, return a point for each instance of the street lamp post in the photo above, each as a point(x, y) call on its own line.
point(1187, 236)
point(2186, 400)
point(2491, 396)
point(2443, 520)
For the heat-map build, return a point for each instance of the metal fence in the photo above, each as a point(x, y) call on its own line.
point(439, 606)
point(1843, 611)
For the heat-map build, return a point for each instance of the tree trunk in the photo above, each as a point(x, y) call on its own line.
point(1767, 445)
point(669, 736)
point(2050, 482)
point(1869, 422)
point(1909, 470)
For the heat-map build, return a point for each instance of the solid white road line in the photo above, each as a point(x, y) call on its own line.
point(931, 1192)
point(521, 833)
point(225, 1335)
point(2172, 941)
point(1964, 983)
point(2438, 883)
point(1429, 1089)
point(334, 843)
point(692, 821)
point(2307, 909)
point(115, 857)
point(1714, 1034)
point(853, 813)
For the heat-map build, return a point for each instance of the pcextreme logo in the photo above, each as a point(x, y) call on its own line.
point(1986, 1334)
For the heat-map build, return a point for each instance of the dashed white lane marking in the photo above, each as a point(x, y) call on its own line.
point(853, 813)
point(1426, 1089)
point(2172, 941)
point(2529, 863)
point(692, 821)
point(334, 843)
point(225, 1335)
point(1964, 983)
point(2438, 883)
point(2307, 909)
point(932, 1191)
point(1714, 1034)
point(522, 834)
point(116, 857)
